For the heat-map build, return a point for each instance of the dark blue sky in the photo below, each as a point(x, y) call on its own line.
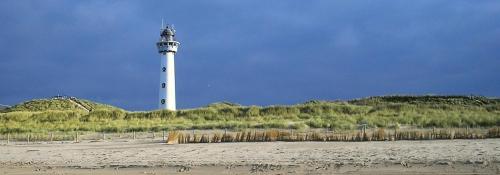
point(248, 52)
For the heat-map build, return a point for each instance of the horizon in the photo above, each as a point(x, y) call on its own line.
point(243, 105)
point(246, 52)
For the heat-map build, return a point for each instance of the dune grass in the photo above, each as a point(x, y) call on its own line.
point(373, 112)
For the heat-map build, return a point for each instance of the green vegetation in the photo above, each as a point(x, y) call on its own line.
point(383, 112)
point(58, 104)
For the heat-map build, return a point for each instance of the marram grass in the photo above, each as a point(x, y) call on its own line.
point(49, 115)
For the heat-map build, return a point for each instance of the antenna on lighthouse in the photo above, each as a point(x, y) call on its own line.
point(162, 25)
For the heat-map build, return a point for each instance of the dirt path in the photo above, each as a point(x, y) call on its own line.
point(79, 104)
point(410, 157)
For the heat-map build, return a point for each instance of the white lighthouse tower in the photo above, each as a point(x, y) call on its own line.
point(167, 47)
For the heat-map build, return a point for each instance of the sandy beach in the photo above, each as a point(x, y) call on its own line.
point(155, 157)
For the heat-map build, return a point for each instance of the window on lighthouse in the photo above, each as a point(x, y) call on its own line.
point(163, 69)
point(163, 85)
point(162, 101)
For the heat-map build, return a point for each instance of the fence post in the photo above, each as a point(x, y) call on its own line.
point(433, 133)
point(8, 138)
point(325, 138)
point(467, 132)
point(153, 135)
point(133, 134)
point(51, 136)
point(29, 135)
point(77, 137)
point(103, 136)
point(163, 135)
point(395, 134)
point(364, 133)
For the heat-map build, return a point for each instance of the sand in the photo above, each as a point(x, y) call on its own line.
point(155, 157)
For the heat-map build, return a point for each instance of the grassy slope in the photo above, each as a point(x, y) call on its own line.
point(55, 104)
point(388, 111)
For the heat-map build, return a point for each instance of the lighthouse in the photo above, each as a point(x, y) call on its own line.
point(167, 47)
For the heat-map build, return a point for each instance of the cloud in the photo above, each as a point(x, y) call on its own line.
point(249, 52)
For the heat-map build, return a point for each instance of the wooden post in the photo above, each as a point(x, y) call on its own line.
point(325, 137)
point(51, 136)
point(29, 135)
point(133, 132)
point(467, 132)
point(163, 135)
point(8, 138)
point(433, 133)
point(364, 133)
point(153, 135)
point(395, 134)
point(77, 137)
point(103, 136)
